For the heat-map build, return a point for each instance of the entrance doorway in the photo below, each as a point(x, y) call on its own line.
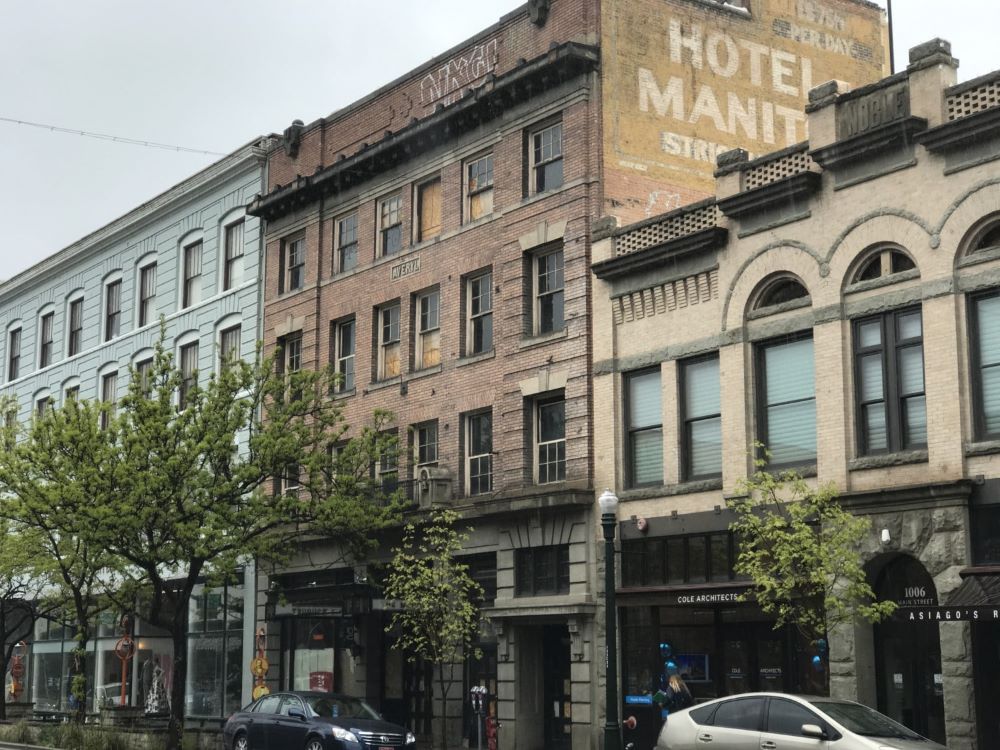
point(908, 654)
point(556, 687)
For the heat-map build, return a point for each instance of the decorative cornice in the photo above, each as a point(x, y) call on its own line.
point(961, 132)
point(623, 265)
point(885, 138)
point(793, 189)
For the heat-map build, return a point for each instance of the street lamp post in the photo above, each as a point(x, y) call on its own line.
point(612, 728)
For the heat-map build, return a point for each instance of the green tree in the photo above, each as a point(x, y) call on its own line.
point(438, 619)
point(801, 551)
point(194, 492)
point(54, 472)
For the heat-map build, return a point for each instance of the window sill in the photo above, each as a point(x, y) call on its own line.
point(529, 342)
point(806, 471)
point(378, 385)
point(982, 448)
point(422, 373)
point(346, 393)
point(883, 460)
point(471, 359)
point(669, 490)
point(539, 196)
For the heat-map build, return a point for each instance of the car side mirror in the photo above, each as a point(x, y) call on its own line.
point(296, 713)
point(813, 730)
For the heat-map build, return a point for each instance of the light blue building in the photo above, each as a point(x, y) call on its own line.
point(71, 326)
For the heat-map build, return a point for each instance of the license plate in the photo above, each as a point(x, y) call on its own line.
point(386, 747)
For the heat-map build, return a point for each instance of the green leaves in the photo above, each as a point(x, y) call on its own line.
point(800, 548)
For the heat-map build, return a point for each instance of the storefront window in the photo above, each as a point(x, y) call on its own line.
point(678, 560)
point(313, 658)
point(215, 651)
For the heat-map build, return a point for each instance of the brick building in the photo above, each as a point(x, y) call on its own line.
point(837, 301)
point(432, 242)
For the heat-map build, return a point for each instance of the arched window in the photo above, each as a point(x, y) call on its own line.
point(779, 291)
point(882, 262)
point(986, 236)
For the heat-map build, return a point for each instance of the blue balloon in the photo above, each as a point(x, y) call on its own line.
point(817, 660)
point(821, 645)
point(671, 667)
point(666, 650)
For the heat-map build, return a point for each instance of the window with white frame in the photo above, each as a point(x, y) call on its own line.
point(232, 270)
point(388, 341)
point(786, 396)
point(191, 293)
point(229, 345)
point(428, 209)
point(479, 187)
point(479, 313)
point(479, 453)
point(189, 371)
point(550, 439)
point(43, 405)
point(390, 225)
point(546, 158)
point(292, 270)
point(13, 354)
point(428, 344)
point(45, 326)
point(344, 342)
point(701, 412)
point(644, 428)
point(109, 397)
point(74, 343)
point(347, 242)
point(425, 445)
point(147, 294)
point(387, 470)
point(112, 309)
point(291, 481)
point(144, 373)
point(71, 392)
point(291, 353)
point(548, 291)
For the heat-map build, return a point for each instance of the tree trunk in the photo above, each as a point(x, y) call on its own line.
point(78, 676)
point(175, 726)
point(444, 706)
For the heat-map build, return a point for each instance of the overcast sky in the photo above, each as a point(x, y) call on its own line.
point(212, 74)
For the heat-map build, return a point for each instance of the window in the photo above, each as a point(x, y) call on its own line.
point(550, 440)
point(14, 354)
point(984, 326)
point(479, 187)
point(889, 376)
point(479, 452)
point(387, 471)
point(546, 159)
point(43, 405)
point(548, 291)
point(883, 262)
point(390, 225)
point(192, 275)
point(701, 412)
point(644, 428)
point(787, 717)
point(229, 346)
point(144, 372)
point(388, 341)
point(539, 571)
point(189, 371)
point(75, 343)
point(787, 410)
point(429, 209)
point(425, 445)
point(290, 481)
point(291, 354)
point(232, 272)
point(147, 294)
point(742, 713)
point(343, 353)
point(347, 242)
point(292, 270)
point(428, 344)
point(112, 310)
point(781, 290)
point(109, 396)
point(72, 393)
point(695, 558)
point(45, 340)
point(479, 311)
point(987, 236)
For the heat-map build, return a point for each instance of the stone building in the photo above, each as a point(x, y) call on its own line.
point(432, 242)
point(836, 300)
point(73, 325)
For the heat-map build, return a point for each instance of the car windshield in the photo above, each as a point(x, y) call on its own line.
point(341, 707)
point(864, 721)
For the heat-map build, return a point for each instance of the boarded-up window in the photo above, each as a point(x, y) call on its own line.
point(429, 208)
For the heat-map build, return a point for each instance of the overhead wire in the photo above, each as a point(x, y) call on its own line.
point(112, 138)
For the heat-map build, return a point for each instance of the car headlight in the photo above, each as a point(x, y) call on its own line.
point(410, 739)
point(343, 735)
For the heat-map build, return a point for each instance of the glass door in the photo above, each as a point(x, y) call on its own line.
point(556, 687)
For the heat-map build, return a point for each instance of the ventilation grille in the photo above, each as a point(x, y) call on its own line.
point(691, 290)
point(772, 171)
point(670, 228)
point(974, 100)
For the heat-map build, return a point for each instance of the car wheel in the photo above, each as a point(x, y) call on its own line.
point(314, 743)
point(240, 742)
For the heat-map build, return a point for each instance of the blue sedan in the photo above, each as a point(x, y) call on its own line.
point(313, 721)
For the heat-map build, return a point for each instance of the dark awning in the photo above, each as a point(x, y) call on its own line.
point(981, 588)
